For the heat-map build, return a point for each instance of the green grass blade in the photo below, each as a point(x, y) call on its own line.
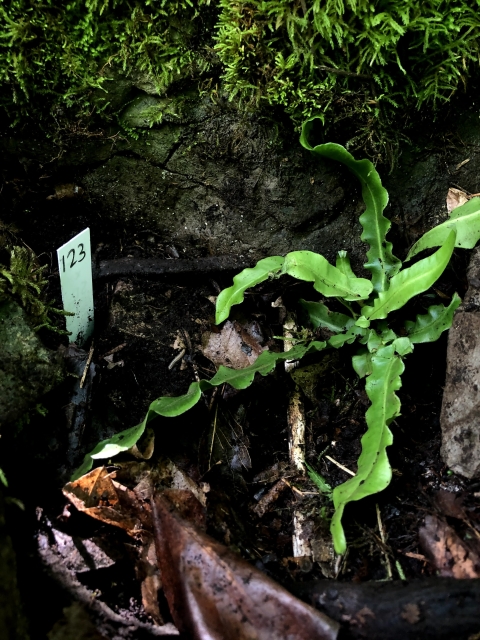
point(327, 279)
point(263, 270)
point(465, 220)
point(374, 471)
point(412, 281)
point(170, 407)
point(320, 316)
point(322, 486)
point(381, 261)
point(3, 478)
point(429, 327)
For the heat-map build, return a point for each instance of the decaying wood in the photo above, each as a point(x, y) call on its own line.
point(430, 609)
point(296, 449)
point(77, 410)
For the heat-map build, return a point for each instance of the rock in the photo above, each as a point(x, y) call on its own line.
point(200, 174)
point(28, 370)
point(461, 398)
point(13, 625)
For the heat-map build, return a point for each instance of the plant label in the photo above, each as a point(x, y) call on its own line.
point(75, 266)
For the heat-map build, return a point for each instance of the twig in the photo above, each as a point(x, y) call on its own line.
point(296, 431)
point(340, 466)
point(382, 536)
point(213, 437)
point(296, 445)
point(154, 267)
point(114, 350)
point(271, 496)
point(176, 359)
point(87, 365)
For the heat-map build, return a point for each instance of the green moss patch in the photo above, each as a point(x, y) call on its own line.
point(357, 64)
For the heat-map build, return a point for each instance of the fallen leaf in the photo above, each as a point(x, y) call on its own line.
point(450, 555)
point(232, 347)
point(102, 497)
point(84, 554)
point(66, 191)
point(99, 496)
point(455, 198)
point(450, 504)
point(411, 613)
point(144, 447)
point(212, 593)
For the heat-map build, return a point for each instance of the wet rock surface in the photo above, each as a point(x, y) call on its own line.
point(28, 370)
point(461, 400)
point(219, 182)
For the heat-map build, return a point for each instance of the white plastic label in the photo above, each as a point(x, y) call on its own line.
point(75, 266)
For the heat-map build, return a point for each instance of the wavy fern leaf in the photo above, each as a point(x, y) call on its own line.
point(174, 406)
point(247, 278)
point(374, 472)
point(381, 261)
point(429, 327)
point(412, 281)
point(465, 220)
point(320, 316)
point(343, 264)
point(327, 279)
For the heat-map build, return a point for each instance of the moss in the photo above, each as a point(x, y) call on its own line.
point(363, 66)
point(54, 53)
point(24, 281)
point(355, 59)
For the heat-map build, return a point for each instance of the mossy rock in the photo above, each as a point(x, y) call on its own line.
point(28, 369)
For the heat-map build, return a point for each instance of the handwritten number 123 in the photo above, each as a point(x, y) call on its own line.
point(81, 252)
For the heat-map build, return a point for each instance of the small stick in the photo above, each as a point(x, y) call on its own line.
point(114, 350)
point(270, 497)
point(340, 466)
point(382, 536)
point(296, 424)
point(177, 359)
point(296, 445)
point(213, 437)
point(87, 365)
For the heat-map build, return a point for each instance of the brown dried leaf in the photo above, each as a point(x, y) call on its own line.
point(450, 555)
point(99, 496)
point(66, 191)
point(450, 504)
point(212, 593)
point(455, 198)
point(144, 448)
point(233, 347)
